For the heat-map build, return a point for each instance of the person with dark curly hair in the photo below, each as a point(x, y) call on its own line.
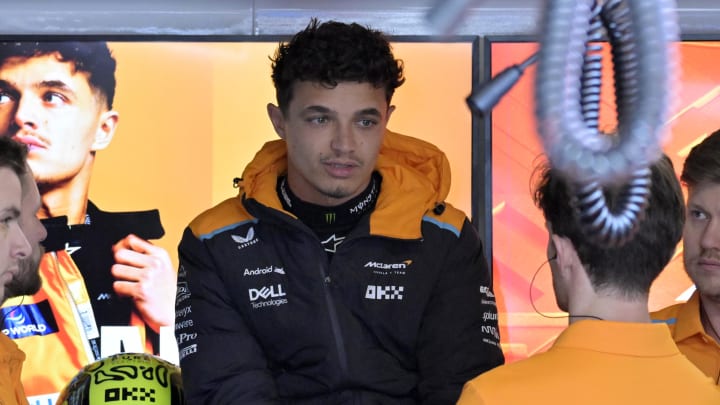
point(106, 287)
point(611, 352)
point(338, 274)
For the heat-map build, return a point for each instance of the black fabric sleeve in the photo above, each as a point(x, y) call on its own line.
point(221, 361)
point(459, 336)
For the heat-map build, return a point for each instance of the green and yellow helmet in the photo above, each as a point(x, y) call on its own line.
point(125, 379)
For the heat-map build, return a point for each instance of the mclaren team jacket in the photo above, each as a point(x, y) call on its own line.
point(401, 314)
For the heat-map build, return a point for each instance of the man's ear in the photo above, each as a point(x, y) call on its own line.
point(390, 110)
point(106, 130)
point(277, 118)
point(566, 255)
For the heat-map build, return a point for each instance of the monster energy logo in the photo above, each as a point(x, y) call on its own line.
point(329, 217)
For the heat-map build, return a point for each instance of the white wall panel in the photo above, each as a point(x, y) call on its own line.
point(281, 17)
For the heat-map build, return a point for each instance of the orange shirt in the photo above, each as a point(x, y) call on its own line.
point(11, 361)
point(688, 333)
point(598, 362)
point(56, 352)
point(57, 349)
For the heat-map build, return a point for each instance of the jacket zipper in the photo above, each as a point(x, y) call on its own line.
point(334, 322)
point(332, 312)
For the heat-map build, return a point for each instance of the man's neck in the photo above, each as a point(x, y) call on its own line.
point(710, 316)
point(66, 199)
point(323, 218)
point(610, 307)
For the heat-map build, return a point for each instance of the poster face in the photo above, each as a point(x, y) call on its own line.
point(186, 119)
point(519, 235)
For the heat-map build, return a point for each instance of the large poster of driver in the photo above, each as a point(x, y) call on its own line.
point(127, 142)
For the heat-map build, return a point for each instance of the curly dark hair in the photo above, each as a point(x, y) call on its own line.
point(91, 57)
point(632, 267)
point(334, 52)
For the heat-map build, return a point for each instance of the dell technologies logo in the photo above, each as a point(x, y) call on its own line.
point(267, 296)
point(273, 291)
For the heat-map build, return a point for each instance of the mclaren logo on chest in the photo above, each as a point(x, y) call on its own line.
point(389, 266)
point(389, 269)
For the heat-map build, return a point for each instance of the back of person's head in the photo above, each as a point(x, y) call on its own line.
point(12, 155)
point(631, 268)
point(334, 52)
point(703, 162)
point(91, 57)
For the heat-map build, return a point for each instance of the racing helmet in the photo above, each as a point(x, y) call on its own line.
point(125, 379)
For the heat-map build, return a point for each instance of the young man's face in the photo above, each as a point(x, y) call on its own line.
point(701, 238)
point(333, 138)
point(47, 105)
point(14, 245)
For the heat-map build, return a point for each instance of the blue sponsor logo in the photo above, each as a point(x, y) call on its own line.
point(28, 320)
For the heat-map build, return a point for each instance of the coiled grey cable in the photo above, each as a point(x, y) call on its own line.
point(567, 86)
